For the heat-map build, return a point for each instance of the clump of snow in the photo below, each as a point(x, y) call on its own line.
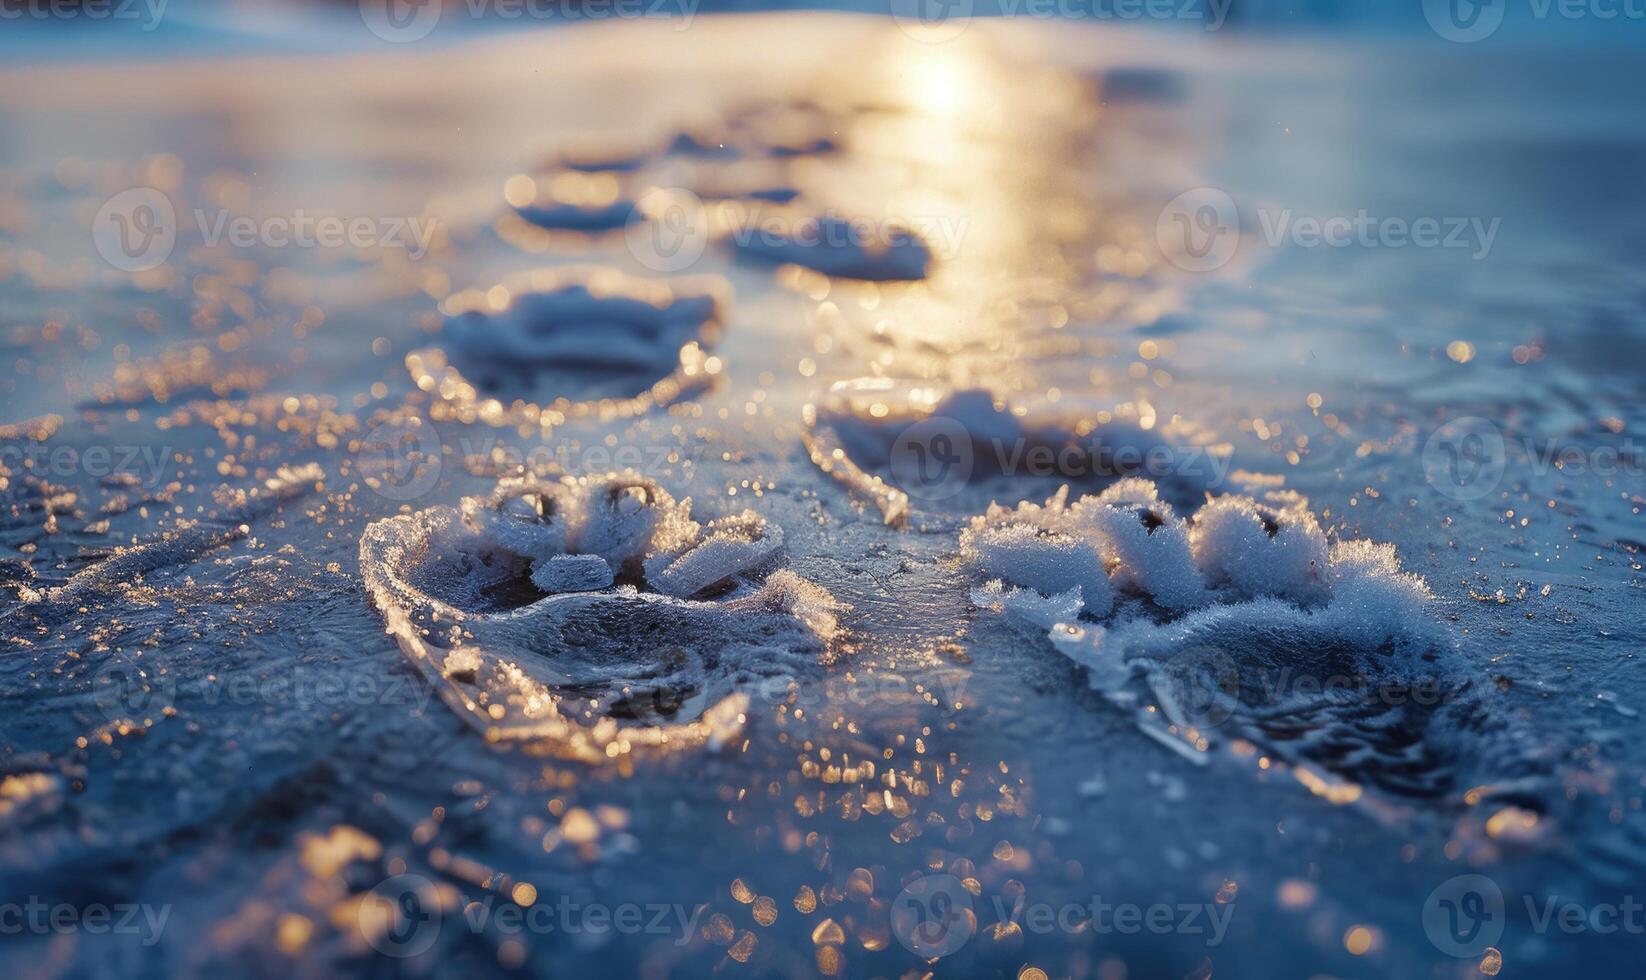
point(1039, 549)
point(1234, 550)
point(1148, 543)
point(1259, 549)
point(567, 609)
point(1123, 586)
point(728, 546)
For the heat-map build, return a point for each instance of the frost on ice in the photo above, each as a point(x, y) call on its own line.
point(596, 614)
point(122, 570)
point(1203, 610)
point(923, 454)
point(627, 344)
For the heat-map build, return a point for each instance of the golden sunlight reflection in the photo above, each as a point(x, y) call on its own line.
point(991, 164)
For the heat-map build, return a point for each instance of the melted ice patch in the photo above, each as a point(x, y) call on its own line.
point(636, 343)
point(1243, 619)
point(596, 613)
point(926, 453)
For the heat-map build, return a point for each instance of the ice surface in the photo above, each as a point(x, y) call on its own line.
point(595, 614)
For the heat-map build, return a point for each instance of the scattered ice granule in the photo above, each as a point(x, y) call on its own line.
point(615, 656)
point(837, 247)
point(1147, 542)
point(1257, 549)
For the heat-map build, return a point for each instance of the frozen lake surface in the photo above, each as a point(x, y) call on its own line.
point(805, 739)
